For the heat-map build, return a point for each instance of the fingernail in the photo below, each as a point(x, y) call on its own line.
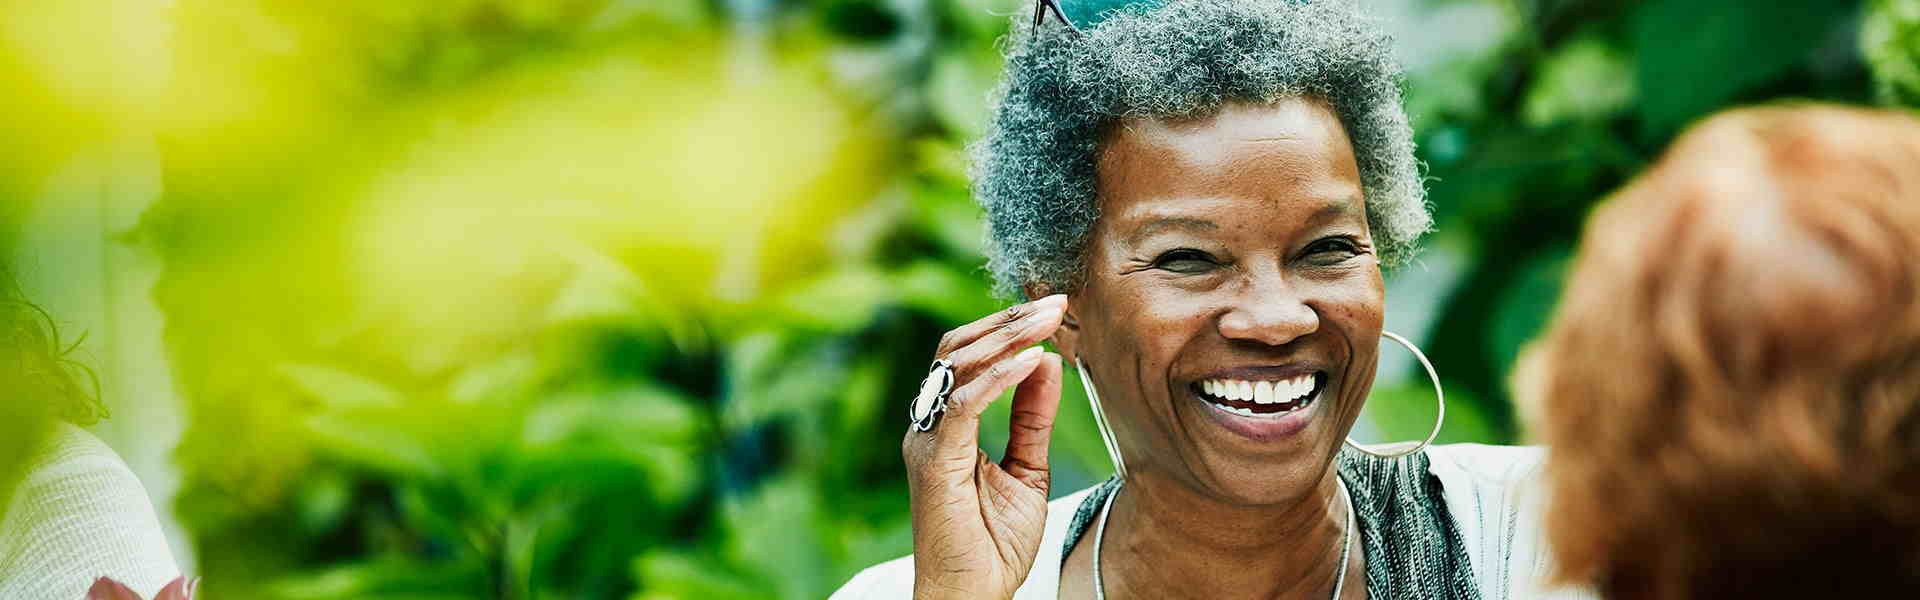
point(1029, 354)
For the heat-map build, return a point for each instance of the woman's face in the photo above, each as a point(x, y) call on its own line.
point(1232, 305)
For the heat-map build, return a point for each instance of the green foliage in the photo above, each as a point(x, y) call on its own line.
point(1598, 88)
point(1890, 39)
point(1695, 55)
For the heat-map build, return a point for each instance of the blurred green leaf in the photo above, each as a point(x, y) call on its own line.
point(950, 218)
point(959, 88)
point(842, 300)
point(1587, 79)
point(506, 377)
point(385, 580)
point(675, 576)
point(1694, 55)
point(1405, 412)
point(981, 19)
point(1527, 305)
point(1890, 40)
point(382, 446)
point(323, 501)
point(953, 295)
point(340, 389)
point(638, 427)
point(775, 531)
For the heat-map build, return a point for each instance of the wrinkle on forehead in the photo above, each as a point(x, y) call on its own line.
point(1270, 139)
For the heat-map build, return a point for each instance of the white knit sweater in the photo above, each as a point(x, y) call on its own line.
point(78, 515)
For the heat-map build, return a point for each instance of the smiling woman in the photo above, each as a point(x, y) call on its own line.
point(1199, 198)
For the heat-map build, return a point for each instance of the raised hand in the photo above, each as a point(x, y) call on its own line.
point(977, 524)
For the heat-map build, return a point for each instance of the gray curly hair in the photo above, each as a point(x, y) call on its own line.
point(1033, 172)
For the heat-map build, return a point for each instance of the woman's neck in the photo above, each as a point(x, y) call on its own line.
point(1165, 540)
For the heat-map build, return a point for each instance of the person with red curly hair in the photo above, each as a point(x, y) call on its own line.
point(1731, 386)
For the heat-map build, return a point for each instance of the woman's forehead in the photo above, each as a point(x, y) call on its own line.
point(1281, 155)
point(1289, 116)
point(1295, 130)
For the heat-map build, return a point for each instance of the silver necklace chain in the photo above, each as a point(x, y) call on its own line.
point(1339, 581)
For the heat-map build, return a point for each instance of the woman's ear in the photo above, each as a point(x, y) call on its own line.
point(1065, 339)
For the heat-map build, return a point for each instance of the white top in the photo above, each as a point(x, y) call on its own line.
point(1494, 494)
point(79, 514)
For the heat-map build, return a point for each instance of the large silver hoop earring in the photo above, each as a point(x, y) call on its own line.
point(1100, 419)
point(1440, 397)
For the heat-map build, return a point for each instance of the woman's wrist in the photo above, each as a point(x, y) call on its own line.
point(929, 590)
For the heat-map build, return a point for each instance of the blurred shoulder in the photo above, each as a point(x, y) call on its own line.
point(1497, 497)
point(894, 578)
point(70, 444)
point(1484, 464)
point(78, 514)
point(1489, 488)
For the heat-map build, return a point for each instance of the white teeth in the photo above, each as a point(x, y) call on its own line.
point(1260, 392)
point(1291, 391)
point(1238, 411)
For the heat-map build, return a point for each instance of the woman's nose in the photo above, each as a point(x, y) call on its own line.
point(1271, 318)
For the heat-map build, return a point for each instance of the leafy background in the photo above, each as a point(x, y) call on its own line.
point(620, 299)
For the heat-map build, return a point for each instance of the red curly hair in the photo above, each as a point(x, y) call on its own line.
point(1731, 385)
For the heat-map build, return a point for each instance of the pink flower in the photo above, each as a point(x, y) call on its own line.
point(106, 588)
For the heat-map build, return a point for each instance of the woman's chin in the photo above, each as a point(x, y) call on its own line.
point(1263, 458)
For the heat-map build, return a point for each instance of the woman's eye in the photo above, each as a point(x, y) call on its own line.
point(1332, 250)
point(1185, 261)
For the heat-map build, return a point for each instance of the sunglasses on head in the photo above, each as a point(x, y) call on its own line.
point(1089, 12)
point(1042, 7)
point(1093, 11)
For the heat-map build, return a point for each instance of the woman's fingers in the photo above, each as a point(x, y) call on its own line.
point(986, 386)
point(1035, 403)
point(963, 335)
point(959, 437)
point(986, 361)
point(988, 350)
point(950, 450)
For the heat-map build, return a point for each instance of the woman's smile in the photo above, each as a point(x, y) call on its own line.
point(1262, 403)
